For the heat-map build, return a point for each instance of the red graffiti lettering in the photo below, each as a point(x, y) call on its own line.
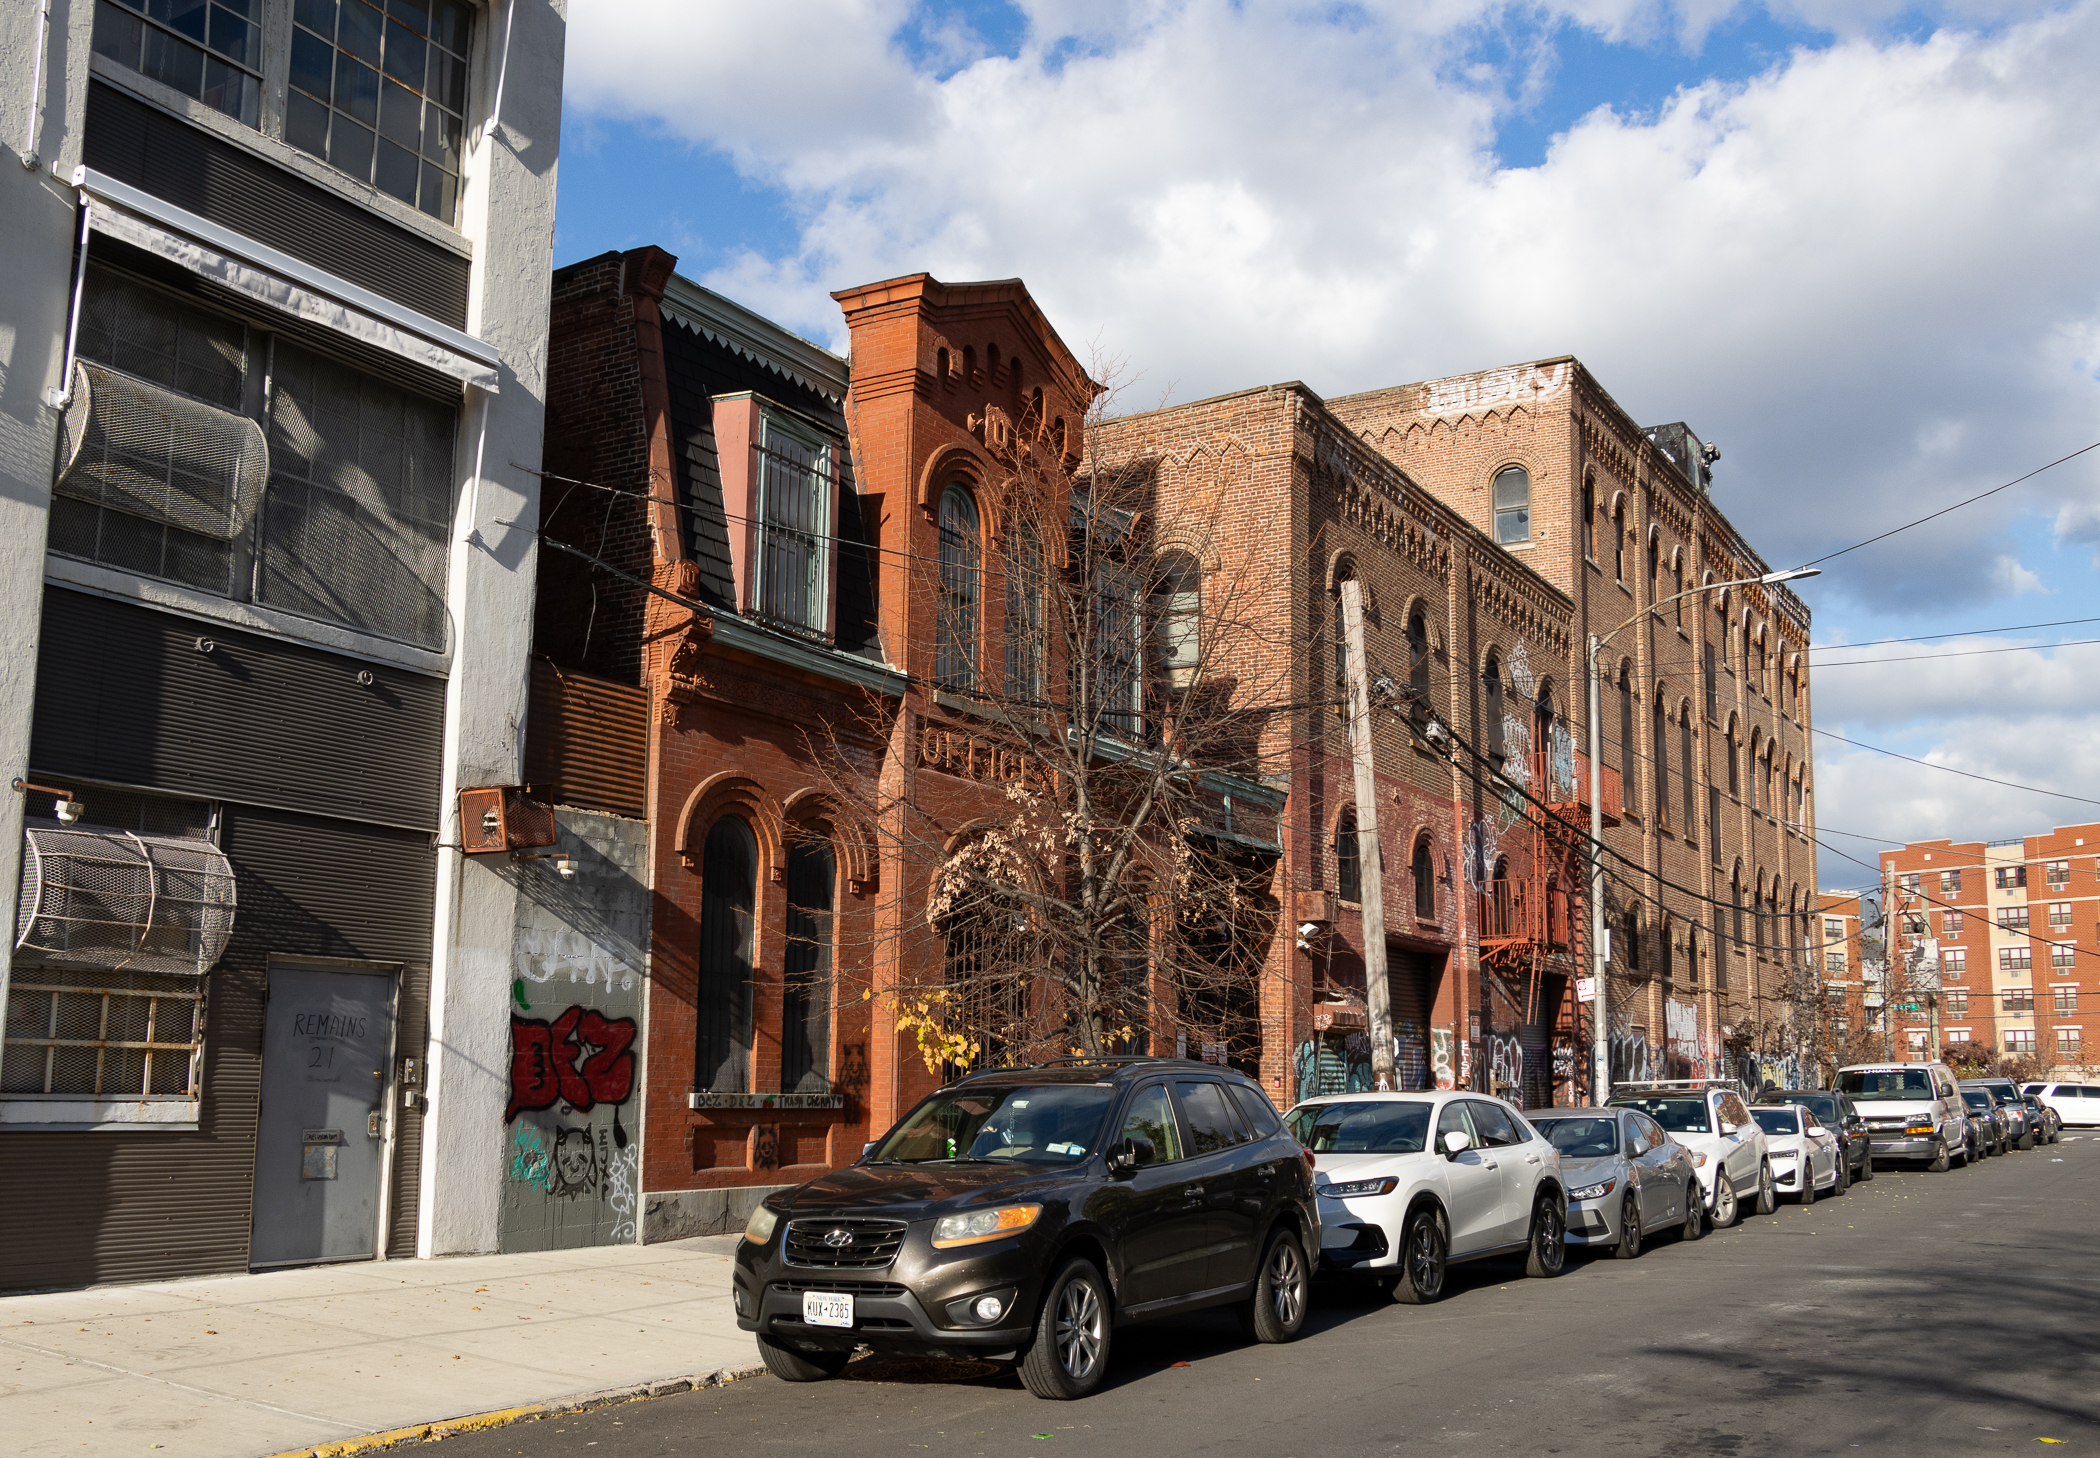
point(582, 1058)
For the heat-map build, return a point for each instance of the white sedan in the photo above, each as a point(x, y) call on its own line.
point(1804, 1154)
point(1409, 1183)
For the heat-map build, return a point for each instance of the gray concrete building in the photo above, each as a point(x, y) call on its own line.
point(272, 360)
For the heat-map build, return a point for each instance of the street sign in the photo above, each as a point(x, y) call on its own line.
point(1908, 1006)
point(1585, 989)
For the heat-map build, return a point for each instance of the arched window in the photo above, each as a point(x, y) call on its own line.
point(1348, 867)
point(1343, 572)
point(1734, 752)
point(991, 366)
point(940, 367)
point(1677, 569)
point(1512, 505)
point(1418, 667)
point(1013, 375)
point(1542, 741)
point(805, 1001)
point(1425, 880)
point(1626, 744)
point(1691, 954)
point(1713, 686)
point(1618, 543)
point(1630, 929)
point(1177, 616)
point(1024, 612)
point(1662, 762)
point(1756, 773)
point(955, 617)
point(1757, 915)
point(1589, 517)
point(1735, 898)
point(1491, 683)
point(1655, 575)
point(1663, 949)
point(1684, 761)
point(722, 992)
point(969, 364)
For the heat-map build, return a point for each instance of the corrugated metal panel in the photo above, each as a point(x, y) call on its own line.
point(135, 143)
point(124, 694)
point(587, 742)
point(154, 1206)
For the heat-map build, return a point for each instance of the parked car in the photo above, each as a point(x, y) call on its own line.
point(1708, 1117)
point(2044, 1119)
point(1913, 1110)
point(1409, 1184)
point(2020, 1129)
point(2076, 1104)
point(1805, 1156)
point(1993, 1129)
point(1625, 1176)
point(1837, 1113)
point(1021, 1214)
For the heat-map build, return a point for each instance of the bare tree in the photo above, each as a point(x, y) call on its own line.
point(1092, 767)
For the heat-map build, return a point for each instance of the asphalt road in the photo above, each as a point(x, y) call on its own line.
point(1918, 1314)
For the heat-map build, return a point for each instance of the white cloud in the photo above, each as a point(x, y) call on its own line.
point(1867, 273)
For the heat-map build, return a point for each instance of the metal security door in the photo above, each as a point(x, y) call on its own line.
point(327, 1040)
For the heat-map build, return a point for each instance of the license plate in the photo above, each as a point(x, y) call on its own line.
point(827, 1308)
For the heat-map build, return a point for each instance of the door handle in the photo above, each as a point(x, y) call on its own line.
point(1489, 1164)
point(1531, 1159)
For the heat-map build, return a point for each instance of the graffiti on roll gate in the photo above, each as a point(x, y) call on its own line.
point(1505, 1062)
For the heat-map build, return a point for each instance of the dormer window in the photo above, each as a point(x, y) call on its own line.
point(794, 523)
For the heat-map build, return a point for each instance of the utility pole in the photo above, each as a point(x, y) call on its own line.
point(1600, 1034)
point(1888, 960)
point(1370, 853)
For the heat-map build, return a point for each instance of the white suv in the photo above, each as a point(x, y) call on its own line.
point(1709, 1118)
point(1410, 1182)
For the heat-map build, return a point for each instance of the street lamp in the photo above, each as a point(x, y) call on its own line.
point(1600, 1033)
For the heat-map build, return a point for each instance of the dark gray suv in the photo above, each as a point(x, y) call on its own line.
point(1021, 1214)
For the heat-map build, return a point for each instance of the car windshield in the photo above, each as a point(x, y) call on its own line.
point(1381, 1127)
point(1976, 1098)
point(1870, 1084)
point(1777, 1121)
point(1825, 1106)
point(1588, 1138)
point(1685, 1115)
point(1053, 1124)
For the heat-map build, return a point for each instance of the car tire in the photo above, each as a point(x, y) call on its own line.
point(1841, 1177)
point(1276, 1311)
point(1728, 1206)
point(793, 1366)
point(1866, 1165)
point(1547, 1256)
point(1767, 1191)
point(1628, 1247)
point(1939, 1162)
point(2027, 1139)
point(1424, 1257)
point(1807, 1195)
point(1069, 1355)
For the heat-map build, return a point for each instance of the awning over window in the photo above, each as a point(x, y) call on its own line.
point(281, 281)
point(109, 899)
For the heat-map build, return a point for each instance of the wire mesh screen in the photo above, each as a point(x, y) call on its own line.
point(145, 451)
point(360, 501)
point(793, 528)
point(113, 899)
point(102, 1034)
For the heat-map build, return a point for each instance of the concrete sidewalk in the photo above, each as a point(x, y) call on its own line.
point(236, 1366)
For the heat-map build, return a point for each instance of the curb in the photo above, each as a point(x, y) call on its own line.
point(505, 1416)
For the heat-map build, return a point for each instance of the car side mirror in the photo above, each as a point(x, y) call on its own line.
point(1133, 1154)
point(867, 1149)
point(1456, 1142)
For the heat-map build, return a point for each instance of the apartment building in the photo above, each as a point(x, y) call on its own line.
point(274, 335)
point(2015, 926)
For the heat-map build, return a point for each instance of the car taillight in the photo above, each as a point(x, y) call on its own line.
point(1310, 1162)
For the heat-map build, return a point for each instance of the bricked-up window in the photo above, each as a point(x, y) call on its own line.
point(1512, 505)
point(1024, 613)
point(2020, 1041)
point(2015, 959)
point(722, 998)
point(794, 523)
point(955, 616)
point(805, 1005)
point(1348, 866)
point(207, 49)
point(1424, 869)
point(379, 93)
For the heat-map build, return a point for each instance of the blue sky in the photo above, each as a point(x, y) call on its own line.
point(1849, 241)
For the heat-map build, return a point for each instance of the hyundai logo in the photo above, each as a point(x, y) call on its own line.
point(838, 1239)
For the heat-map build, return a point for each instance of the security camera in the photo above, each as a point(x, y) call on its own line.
point(565, 867)
point(68, 811)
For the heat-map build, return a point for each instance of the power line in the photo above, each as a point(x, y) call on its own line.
point(1957, 633)
point(1957, 506)
point(1949, 769)
point(1962, 653)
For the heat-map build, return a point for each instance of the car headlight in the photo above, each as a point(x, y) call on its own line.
point(981, 1225)
point(759, 1228)
point(1356, 1188)
point(1698, 1159)
point(1594, 1192)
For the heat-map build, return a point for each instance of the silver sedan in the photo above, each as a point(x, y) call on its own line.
point(1626, 1178)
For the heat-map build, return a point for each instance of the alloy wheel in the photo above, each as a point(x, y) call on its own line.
point(1286, 1283)
point(1078, 1329)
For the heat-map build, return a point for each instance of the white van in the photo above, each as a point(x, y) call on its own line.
point(1913, 1111)
point(2075, 1103)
